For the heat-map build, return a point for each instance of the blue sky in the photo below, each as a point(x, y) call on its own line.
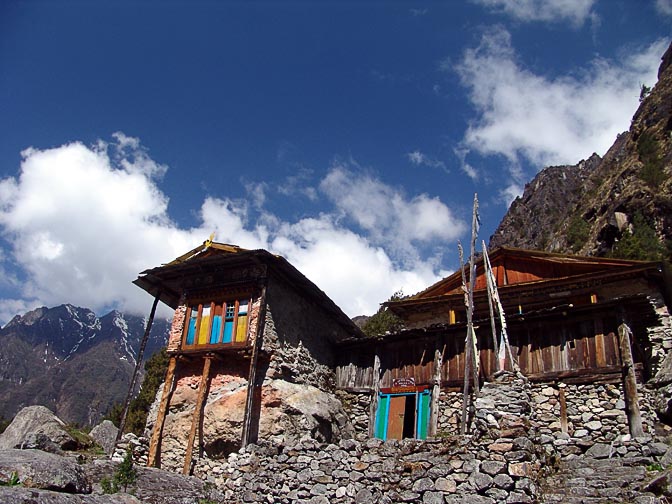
point(347, 136)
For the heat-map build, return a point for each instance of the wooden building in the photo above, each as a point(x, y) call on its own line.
point(562, 314)
point(241, 316)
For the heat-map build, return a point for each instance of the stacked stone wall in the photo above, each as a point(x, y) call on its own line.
point(356, 406)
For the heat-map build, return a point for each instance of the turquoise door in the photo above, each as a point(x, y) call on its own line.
point(416, 404)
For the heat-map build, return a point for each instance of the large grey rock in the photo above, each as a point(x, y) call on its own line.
point(22, 495)
point(155, 486)
point(38, 469)
point(105, 434)
point(37, 427)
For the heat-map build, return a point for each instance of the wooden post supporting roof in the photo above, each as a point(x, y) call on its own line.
point(373, 408)
point(252, 377)
point(198, 413)
point(436, 391)
point(161, 415)
point(136, 370)
point(629, 382)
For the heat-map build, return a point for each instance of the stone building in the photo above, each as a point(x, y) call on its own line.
point(563, 313)
point(251, 351)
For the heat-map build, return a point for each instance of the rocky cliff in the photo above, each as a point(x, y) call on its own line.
point(70, 360)
point(597, 206)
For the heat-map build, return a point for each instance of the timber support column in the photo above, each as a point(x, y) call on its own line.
point(436, 392)
point(161, 415)
point(629, 382)
point(373, 408)
point(136, 370)
point(198, 414)
point(252, 377)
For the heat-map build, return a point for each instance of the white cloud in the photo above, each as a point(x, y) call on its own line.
point(576, 12)
point(388, 217)
point(82, 222)
point(664, 7)
point(419, 159)
point(549, 120)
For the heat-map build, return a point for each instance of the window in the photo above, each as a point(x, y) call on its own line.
point(217, 323)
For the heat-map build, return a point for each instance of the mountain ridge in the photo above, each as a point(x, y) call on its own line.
point(593, 207)
point(70, 360)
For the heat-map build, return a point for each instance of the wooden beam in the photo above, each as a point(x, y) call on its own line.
point(252, 376)
point(373, 407)
point(563, 408)
point(436, 391)
point(198, 412)
point(136, 370)
point(161, 415)
point(629, 382)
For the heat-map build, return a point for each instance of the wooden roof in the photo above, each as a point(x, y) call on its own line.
point(513, 266)
point(167, 281)
point(531, 276)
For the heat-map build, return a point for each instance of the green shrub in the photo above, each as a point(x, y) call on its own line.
point(642, 244)
point(136, 418)
point(124, 476)
point(652, 171)
point(578, 231)
point(384, 320)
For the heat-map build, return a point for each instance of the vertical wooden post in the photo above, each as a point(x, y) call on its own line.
point(629, 382)
point(563, 408)
point(136, 370)
point(198, 412)
point(161, 414)
point(252, 376)
point(373, 408)
point(436, 392)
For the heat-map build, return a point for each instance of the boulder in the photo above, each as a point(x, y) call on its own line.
point(105, 434)
point(37, 427)
point(39, 469)
point(21, 495)
point(287, 413)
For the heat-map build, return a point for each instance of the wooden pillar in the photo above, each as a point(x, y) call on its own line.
point(563, 408)
point(436, 392)
point(161, 415)
point(136, 370)
point(629, 382)
point(252, 376)
point(373, 407)
point(198, 412)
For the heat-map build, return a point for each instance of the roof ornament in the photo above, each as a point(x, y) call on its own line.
point(208, 242)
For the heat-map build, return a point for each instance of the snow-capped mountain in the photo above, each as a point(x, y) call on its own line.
point(70, 360)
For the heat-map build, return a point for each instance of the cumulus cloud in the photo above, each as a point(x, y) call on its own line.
point(664, 7)
point(388, 217)
point(82, 221)
point(576, 12)
point(420, 159)
point(549, 120)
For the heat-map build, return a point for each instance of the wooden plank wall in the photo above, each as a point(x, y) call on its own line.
point(541, 347)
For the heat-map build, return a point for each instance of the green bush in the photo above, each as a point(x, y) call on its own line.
point(124, 476)
point(652, 163)
point(136, 418)
point(578, 231)
point(384, 320)
point(642, 244)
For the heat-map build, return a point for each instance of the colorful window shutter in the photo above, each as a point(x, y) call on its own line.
point(215, 334)
point(191, 325)
point(204, 329)
point(422, 415)
point(228, 322)
point(241, 327)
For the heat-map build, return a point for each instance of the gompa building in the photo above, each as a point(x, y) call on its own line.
point(252, 353)
point(257, 351)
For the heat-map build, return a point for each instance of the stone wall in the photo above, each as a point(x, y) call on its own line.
point(298, 336)
point(498, 463)
point(356, 406)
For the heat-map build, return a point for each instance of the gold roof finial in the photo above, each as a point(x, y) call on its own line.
point(208, 242)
